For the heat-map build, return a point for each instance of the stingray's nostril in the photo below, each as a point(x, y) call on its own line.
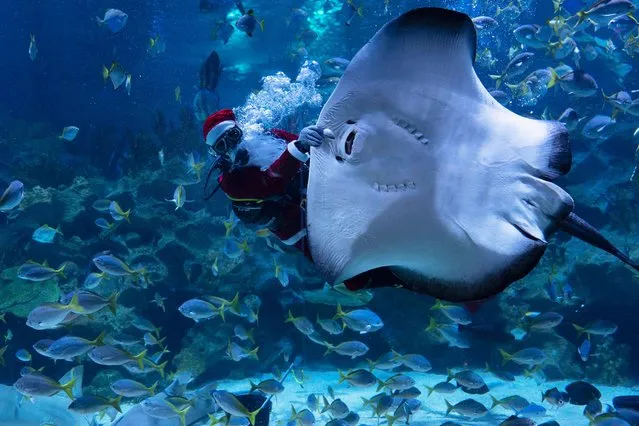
point(350, 121)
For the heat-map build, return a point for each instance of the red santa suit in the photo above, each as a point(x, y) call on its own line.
point(264, 191)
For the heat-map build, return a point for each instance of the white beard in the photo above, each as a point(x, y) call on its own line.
point(263, 149)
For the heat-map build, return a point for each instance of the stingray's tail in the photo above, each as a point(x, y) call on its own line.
point(577, 227)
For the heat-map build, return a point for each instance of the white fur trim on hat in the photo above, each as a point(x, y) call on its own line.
point(295, 152)
point(218, 131)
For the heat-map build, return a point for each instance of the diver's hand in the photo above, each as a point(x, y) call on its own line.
point(311, 136)
point(224, 164)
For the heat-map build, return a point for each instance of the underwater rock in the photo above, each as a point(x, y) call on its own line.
point(106, 320)
point(202, 349)
point(173, 255)
point(101, 383)
point(41, 204)
point(562, 352)
point(19, 297)
point(612, 364)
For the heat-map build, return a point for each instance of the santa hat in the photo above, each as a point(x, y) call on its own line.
point(216, 124)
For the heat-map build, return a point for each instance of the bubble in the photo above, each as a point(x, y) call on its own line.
point(279, 98)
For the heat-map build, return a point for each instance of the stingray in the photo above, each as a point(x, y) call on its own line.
point(430, 176)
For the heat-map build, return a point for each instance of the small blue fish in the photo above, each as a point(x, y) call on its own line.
point(33, 271)
point(518, 333)
point(215, 270)
point(101, 205)
point(143, 324)
point(110, 355)
point(308, 36)
point(223, 31)
point(335, 66)
point(199, 310)
point(132, 389)
point(93, 280)
point(151, 340)
point(23, 355)
point(281, 274)
point(567, 292)
point(233, 248)
point(114, 20)
point(104, 224)
point(111, 265)
point(12, 196)
point(361, 320)
point(69, 133)
point(89, 404)
point(533, 410)
point(30, 370)
point(179, 197)
point(42, 346)
point(33, 48)
point(551, 289)
point(248, 23)
point(45, 234)
point(584, 350)
point(117, 213)
point(69, 347)
point(230, 224)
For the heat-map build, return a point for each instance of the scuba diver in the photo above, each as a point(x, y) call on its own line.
point(266, 183)
point(264, 176)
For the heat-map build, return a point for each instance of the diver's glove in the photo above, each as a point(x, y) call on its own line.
point(224, 164)
point(241, 158)
point(311, 136)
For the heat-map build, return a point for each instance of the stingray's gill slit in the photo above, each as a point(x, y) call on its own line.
point(412, 130)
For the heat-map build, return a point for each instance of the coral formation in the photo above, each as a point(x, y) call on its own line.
point(202, 348)
point(19, 297)
point(611, 364)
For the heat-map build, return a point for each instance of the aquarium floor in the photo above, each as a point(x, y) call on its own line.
point(433, 408)
point(432, 412)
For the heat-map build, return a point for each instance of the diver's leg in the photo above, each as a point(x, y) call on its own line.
point(253, 401)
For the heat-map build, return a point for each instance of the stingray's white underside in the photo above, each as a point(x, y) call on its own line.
point(442, 183)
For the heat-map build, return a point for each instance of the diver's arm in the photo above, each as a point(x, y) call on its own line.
point(289, 162)
point(298, 148)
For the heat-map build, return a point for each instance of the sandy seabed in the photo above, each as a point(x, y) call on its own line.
point(432, 411)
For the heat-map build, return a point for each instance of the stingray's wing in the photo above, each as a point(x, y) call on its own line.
point(443, 184)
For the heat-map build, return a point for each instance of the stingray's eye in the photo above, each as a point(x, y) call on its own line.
point(350, 121)
point(348, 145)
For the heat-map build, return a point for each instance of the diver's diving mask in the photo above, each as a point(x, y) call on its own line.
point(227, 142)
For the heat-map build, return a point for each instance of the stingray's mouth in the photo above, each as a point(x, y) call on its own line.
point(400, 187)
